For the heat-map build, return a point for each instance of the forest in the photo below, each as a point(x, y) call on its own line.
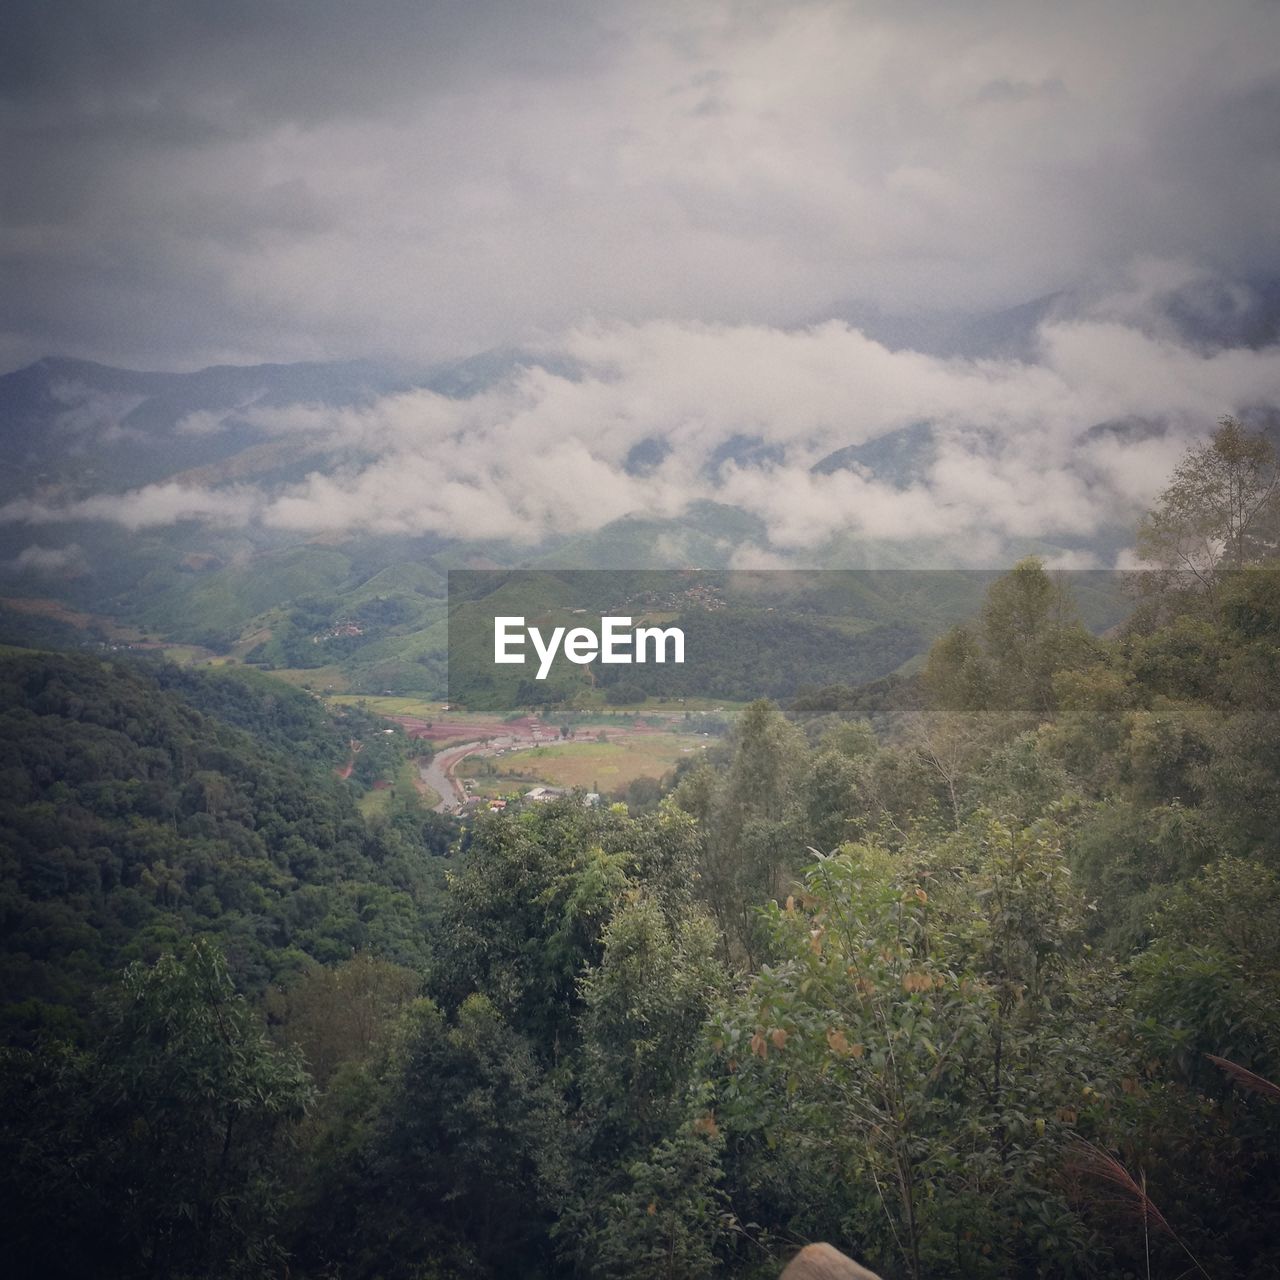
point(972, 974)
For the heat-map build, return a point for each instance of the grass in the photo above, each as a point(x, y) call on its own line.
point(602, 766)
point(253, 636)
point(663, 707)
point(396, 706)
point(430, 709)
point(681, 705)
point(190, 655)
point(406, 782)
point(373, 803)
point(236, 594)
point(315, 679)
point(39, 606)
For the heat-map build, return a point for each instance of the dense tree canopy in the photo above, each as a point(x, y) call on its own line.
point(972, 974)
point(1221, 510)
point(131, 821)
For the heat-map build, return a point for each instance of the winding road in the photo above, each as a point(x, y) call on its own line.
point(438, 775)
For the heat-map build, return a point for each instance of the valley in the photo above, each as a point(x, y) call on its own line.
point(640, 641)
point(485, 757)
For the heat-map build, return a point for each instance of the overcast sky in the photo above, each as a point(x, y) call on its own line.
point(240, 180)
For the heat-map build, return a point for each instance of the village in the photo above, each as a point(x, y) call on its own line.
point(487, 764)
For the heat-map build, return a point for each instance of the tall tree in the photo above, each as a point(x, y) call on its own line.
point(1028, 631)
point(153, 1154)
point(752, 821)
point(1220, 511)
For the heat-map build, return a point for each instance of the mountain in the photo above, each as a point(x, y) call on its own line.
point(196, 565)
point(896, 457)
point(1004, 333)
point(1206, 312)
point(73, 423)
point(142, 807)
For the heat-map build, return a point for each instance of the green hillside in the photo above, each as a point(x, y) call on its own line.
point(143, 808)
point(747, 633)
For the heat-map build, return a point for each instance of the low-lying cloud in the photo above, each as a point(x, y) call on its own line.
point(49, 560)
point(146, 508)
point(1061, 449)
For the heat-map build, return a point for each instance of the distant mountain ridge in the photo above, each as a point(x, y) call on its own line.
point(77, 432)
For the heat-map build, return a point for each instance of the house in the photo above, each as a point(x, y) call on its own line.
point(539, 795)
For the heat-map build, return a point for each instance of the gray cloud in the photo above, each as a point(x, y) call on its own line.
point(238, 181)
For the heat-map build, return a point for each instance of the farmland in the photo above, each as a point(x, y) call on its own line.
point(587, 763)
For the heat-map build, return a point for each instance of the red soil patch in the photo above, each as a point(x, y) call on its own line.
point(446, 730)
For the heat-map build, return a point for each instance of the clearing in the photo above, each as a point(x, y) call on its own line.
point(586, 763)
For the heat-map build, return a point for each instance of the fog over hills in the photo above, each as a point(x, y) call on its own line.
point(616, 285)
point(666, 443)
point(575, 695)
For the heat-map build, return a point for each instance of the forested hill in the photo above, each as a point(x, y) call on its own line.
point(984, 989)
point(140, 808)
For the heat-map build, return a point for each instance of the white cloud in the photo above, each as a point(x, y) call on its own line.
point(1017, 451)
point(148, 507)
point(38, 559)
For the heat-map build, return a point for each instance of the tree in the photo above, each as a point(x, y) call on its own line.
point(902, 1077)
point(1027, 632)
point(1220, 510)
point(663, 1221)
point(160, 1143)
point(644, 1007)
point(336, 1014)
point(1030, 631)
point(751, 816)
point(527, 911)
point(446, 1157)
point(648, 1204)
point(1206, 986)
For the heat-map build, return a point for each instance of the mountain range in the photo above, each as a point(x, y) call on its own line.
point(194, 560)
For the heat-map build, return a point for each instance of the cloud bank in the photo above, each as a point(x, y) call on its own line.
point(662, 414)
point(49, 560)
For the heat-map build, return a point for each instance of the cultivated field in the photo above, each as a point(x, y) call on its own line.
point(590, 764)
point(330, 679)
point(419, 708)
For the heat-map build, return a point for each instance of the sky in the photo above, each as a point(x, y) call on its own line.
point(698, 206)
point(204, 181)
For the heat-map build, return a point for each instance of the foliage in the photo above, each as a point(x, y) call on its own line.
point(972, 973)
point(922, 1050)
point(449, 1150)
point(338, 1015)
point(1028, 633)
point(132, 821)
point(162, 1135)
point(1220, 511)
